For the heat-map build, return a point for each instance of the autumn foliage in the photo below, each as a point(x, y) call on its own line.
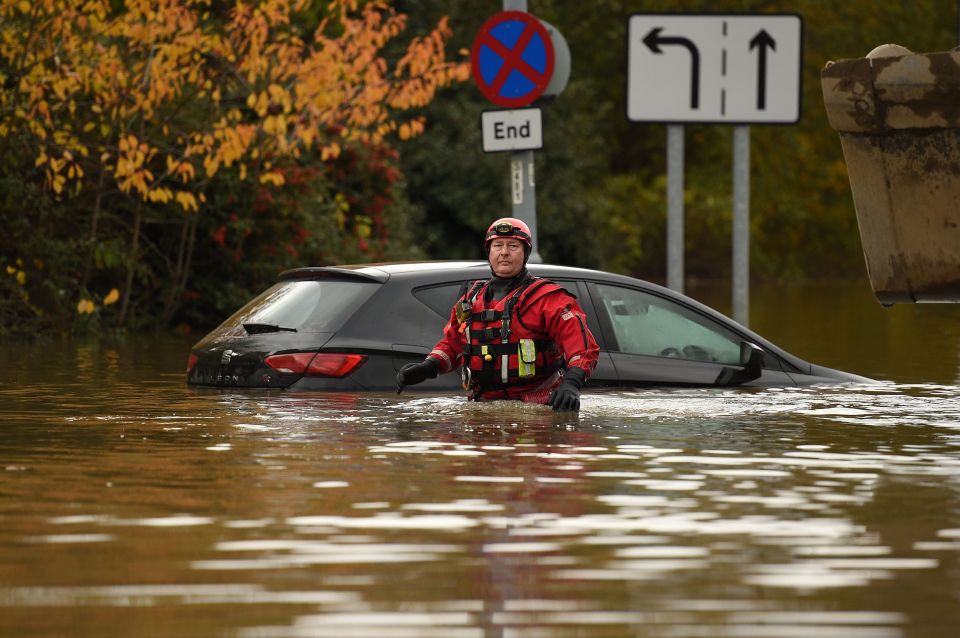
point(133, 129)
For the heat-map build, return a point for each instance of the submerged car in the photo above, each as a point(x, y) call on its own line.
point(351, 328)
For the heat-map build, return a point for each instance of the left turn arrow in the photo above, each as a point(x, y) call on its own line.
point(654, 40)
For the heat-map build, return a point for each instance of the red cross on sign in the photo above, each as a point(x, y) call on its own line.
point(512, 59)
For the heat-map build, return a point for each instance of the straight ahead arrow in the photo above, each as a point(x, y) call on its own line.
point(762, 41)
point(653, 40)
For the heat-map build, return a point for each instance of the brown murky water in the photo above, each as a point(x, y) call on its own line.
point(131, 505)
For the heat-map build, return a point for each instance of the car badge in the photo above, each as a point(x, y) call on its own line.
point(226, 356)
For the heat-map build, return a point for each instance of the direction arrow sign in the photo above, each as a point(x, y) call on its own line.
point(719, 68)
point(512, 59)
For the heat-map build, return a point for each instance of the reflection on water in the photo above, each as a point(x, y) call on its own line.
point(790, 512)
point(134, 506)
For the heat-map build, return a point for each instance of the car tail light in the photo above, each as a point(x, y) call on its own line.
point(191, 362)
point(294, 363)
point(335, 364)
point(320, 364)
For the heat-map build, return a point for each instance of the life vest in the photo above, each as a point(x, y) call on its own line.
point(500, 350)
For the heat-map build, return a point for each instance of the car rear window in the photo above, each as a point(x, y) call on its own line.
point(301, 305)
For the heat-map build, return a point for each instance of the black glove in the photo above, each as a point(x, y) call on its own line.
point(414, 373)
point(566, 398)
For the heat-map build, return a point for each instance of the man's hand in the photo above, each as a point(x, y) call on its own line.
point(566, 398)
point(414, 373)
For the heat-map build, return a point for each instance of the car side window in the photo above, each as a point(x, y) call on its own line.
point(440, 299)
point(645, 324)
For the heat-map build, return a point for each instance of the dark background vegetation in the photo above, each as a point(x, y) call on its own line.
point(601, 182)
point(601, 185)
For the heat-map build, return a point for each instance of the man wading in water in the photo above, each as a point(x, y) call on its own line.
point(514, 336)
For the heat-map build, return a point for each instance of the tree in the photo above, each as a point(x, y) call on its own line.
point(133, 113)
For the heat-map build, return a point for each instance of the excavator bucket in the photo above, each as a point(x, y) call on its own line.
point(898, 117)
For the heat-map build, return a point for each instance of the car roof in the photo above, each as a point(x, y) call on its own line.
point(381, 272)
point(384, 270)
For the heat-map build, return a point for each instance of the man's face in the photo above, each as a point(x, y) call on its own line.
point(506, 257)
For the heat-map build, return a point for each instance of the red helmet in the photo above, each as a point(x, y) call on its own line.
point(508, 227)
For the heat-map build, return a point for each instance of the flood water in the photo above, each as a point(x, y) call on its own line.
point(131, 505)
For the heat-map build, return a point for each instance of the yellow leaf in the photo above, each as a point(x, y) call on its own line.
point(330, 152)
point(21, 277)
point(85, 307)
point(187, 201)
point(112, 297)
point(211, 165)
point(272, 178)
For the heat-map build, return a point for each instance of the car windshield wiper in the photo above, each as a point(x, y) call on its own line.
point(260, 328)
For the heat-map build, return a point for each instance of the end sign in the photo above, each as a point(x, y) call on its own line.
point(514, 130)
point(714, 68)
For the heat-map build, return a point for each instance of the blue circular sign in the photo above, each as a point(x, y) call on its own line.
point(512, 59)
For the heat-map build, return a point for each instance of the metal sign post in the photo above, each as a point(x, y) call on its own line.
point(523, 191)
point(675, 207)
point(741, 224)
point(735, 69)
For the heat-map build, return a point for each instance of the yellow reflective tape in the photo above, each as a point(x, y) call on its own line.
point(527, 355)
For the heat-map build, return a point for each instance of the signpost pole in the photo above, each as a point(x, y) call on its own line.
point(523, 187)
point(675, 240)
point(741, 224)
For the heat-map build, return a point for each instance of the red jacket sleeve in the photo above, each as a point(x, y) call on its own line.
point(559, 316)
point(449, 350)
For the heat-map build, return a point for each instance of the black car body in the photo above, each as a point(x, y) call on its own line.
point(351, 328)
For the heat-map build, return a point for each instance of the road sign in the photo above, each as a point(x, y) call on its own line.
point(714, 68)
point(516, 130)
point(512, 59)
